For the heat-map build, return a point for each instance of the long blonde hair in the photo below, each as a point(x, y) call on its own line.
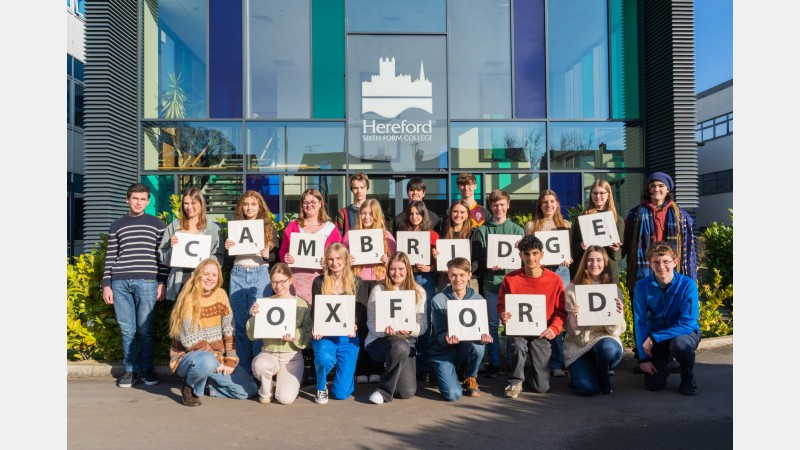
point(188, 302)
point(378, 223)
point(610, 206)
point(197, 195)
point(323, 213)
point(538, 216)
point(348, 277)
point(408, 284)
point(263, 214)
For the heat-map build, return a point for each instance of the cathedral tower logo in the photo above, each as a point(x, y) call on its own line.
point(389, 94)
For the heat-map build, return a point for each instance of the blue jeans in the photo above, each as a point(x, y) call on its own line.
point(494, 323)
point(589, 373)
point(134, 301)
point(198, 369)
point(462, 361)
point(428, 281)
point(339, 351)
point(247, 284)
point(557, 344)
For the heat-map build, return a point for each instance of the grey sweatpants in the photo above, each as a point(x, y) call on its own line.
point(529, 358)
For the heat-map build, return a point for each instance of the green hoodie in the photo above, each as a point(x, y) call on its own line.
point(493, 278)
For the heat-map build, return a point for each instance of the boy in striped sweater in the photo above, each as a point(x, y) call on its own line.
point(133, 280)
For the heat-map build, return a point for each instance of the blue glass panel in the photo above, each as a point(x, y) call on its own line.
point(578, 59)
point(480, 59)
point(78, 70)
point(569, 190)
point(225, 59)
point(270, 188)
point(529, 60)
point(181, 59)
point(279, 59)
point(394, 16)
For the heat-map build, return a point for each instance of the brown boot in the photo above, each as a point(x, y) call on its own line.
point(189, 398)
point(470, 387)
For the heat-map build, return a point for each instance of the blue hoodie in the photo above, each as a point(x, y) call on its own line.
point(438, 329)
point(664, 313)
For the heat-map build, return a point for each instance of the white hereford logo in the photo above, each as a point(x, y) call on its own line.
point(388, 94)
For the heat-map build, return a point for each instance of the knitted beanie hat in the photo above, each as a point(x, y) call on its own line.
point(662, 177)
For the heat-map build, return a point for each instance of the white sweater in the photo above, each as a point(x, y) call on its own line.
point(422, 320)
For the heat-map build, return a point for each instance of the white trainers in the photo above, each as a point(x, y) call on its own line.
point(362, 379)
point(374, 378)
point(322, 397)
point(513, 390)
point(558, 373)
point(376, 398)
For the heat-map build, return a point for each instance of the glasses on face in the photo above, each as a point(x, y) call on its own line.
point(311, 203)
point(280, 282)
point(663, 262)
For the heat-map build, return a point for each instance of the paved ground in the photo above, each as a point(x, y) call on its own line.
point(102, 416)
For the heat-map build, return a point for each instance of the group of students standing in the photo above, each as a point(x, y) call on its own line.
point(214, 349)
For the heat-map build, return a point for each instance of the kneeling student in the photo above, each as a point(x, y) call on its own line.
point(455, 363)
point(532, 278)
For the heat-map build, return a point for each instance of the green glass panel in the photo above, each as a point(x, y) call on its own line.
point(161, 187)
point(327, 58)
point(624, 59)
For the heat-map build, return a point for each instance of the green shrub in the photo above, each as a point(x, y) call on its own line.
point(715, 318)
point(92, 328)
point(717, 251)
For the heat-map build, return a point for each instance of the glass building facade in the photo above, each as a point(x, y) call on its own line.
point(284, 95)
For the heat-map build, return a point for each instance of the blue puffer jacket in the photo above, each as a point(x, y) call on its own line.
point(664, 313)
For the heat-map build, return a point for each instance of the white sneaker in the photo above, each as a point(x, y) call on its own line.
point(374, 378)
point(361, 379)
point(322, 397)
point(376, 398)
point(558, 373)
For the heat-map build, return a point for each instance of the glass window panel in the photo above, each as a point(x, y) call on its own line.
point(327, 58)
point(221, 192)
point(708, 134)
point(332, 188)
point(730, 125)
point(161, 188)
point(480, 59)
point(287, 147)
point(78, 70)
point(721, 130)
point(397, 103)
point(225, 57)
point(618, 182)
point(567, 187)
point(698, 136)
point(498, 145)
point(435, 195)
point(79, 116)
point(69, 102)
point(583, 145)
point(523, 188)
point(393, 16)
point(577, 59)
point(529, 60)
point(279, 59)
point(270, 188)
point(69, 65)
point(624, 50)
point(174, 59)
point(193, 146)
